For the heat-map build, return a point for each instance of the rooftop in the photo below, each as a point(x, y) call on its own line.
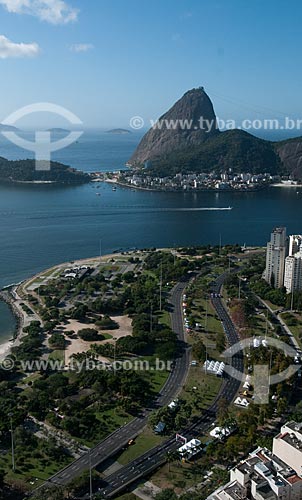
point(236, 491)
point(292, 440)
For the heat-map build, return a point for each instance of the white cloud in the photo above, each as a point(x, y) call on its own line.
point(81, 47)
point(51, 11)
point(11, 49)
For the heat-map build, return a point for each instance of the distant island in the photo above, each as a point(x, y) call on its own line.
point(24, 171)
point(58, 131)
point(119, 131)
point(7, 128)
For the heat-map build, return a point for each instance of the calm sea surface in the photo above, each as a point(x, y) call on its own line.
point(44, 225)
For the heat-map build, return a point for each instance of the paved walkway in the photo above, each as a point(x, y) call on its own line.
point(292, 338)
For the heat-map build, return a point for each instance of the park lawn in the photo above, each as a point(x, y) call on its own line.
point(106, 336)
point(210, 321)
point(210, 324)
point(144, 442)
point(272, 306)
point(31, 378)
point(178, 476)
point(207, 388)
point(155, 376)
point(157, 379)
point(295, 329)
point(164, 318)
point(111, 420)
point(33, 469)
point(259, 327)
point(57, 355)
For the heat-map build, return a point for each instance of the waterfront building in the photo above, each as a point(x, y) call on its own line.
point(295, 242)
point(293, 272)
point(276, 252)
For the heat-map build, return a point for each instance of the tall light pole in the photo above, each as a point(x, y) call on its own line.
point(266, 325)
point(292, 297)
point(160, 286)
point(206, 318)
point(12, 439)
point(90, 476)
point(174, 255)
point(114, 357)
point(100, 249)
point(151, 318)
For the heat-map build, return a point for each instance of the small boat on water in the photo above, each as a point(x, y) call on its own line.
point(114, 188)
point(98, 194)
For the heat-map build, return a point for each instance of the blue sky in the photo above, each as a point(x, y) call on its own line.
point(107, 60)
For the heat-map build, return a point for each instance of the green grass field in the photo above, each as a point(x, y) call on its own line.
point(200, 389)
point(144, 441)
point(296, 329)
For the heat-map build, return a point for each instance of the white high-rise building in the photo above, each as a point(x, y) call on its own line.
point(267, 475)
point(293, 272)
point(295, 242)
point(275, 258)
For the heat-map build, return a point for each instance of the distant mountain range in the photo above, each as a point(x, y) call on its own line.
point(167, 150)
point(119, 131)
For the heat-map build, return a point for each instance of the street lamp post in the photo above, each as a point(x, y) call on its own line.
point(12, 440)
point(161, 286)
point(292, 299)
point(90, 476)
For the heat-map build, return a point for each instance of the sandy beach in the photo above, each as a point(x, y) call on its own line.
point(5, 349)
point(15, 297)
point(76, 345)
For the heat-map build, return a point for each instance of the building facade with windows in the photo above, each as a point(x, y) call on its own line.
point(293, 272)
point(268, 475)
point(276, 251)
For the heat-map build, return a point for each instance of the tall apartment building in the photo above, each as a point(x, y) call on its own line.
point(267, 475)
point(288, 445)
point(295, 242)
point(276, 252)
point(293, 272)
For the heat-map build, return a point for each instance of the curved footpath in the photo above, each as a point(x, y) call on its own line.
point(118, 439)
point(156, 457)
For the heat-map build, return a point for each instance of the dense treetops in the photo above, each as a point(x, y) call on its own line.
point(24, 171)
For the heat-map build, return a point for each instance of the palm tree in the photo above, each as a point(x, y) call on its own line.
point(169, 458)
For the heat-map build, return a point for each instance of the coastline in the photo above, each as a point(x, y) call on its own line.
point(282, 185)
point(197, 190)
point(10, 295)
point(5, 347)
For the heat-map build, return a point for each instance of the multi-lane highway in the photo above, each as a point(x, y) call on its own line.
point(155, 457)
point(119, 439)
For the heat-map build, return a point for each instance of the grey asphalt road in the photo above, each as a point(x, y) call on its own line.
point(155, 457)
point(119, 439)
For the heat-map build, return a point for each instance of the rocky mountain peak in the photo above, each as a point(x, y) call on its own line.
point(189, 122)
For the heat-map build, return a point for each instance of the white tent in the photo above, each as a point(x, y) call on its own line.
point(190, 449)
